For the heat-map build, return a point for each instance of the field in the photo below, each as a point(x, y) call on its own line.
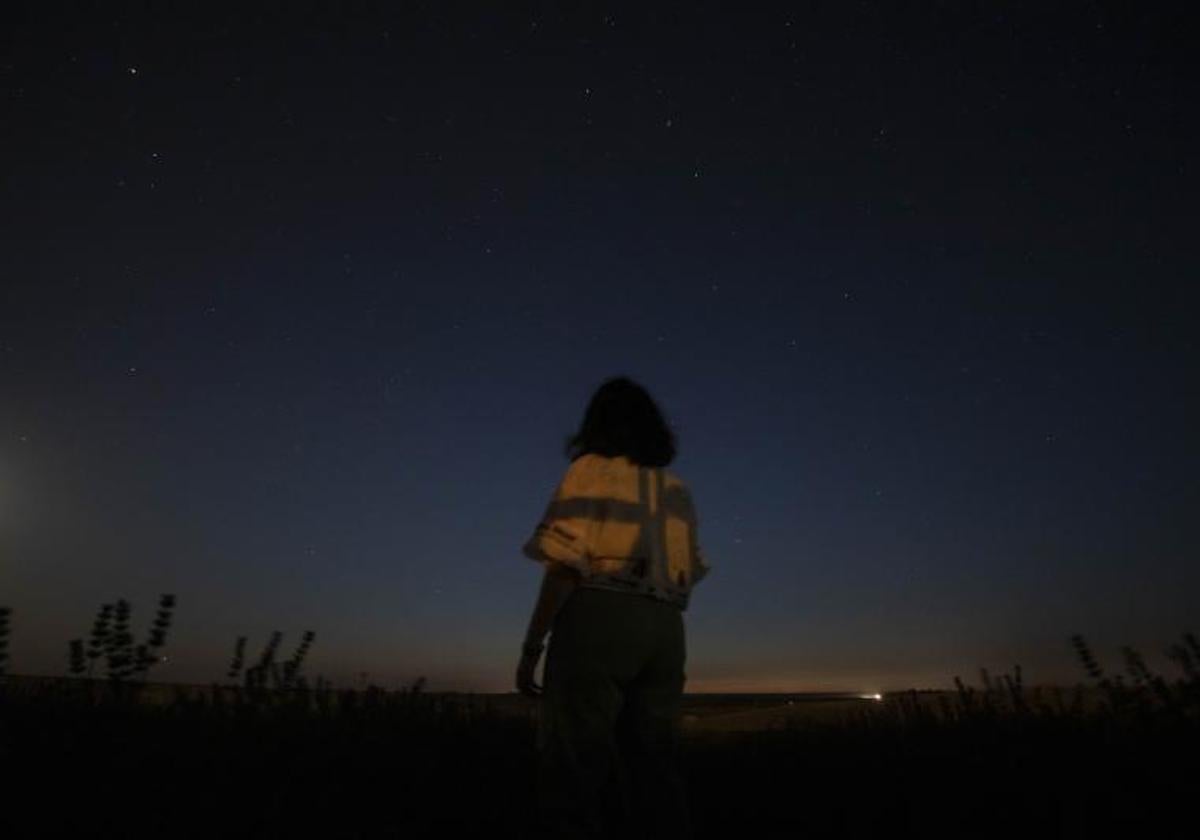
point(267, 754)
point(92, 758)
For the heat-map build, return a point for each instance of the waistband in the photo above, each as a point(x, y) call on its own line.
point(679, 601)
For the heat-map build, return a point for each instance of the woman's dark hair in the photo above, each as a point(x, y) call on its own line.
point(623, 419)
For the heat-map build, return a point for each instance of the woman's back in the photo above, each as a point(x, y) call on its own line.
point(623, 526)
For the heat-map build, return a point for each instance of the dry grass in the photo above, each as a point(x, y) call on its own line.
point(274, 755)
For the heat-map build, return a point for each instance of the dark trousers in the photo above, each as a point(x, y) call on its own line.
point(608, 728)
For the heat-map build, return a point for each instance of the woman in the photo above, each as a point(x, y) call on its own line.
point(619, 545)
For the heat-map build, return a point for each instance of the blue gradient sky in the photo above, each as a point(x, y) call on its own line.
point(295, 315)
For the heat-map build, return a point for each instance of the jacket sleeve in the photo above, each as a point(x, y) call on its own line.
point(563, 535)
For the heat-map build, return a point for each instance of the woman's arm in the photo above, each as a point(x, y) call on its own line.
point(558, 582)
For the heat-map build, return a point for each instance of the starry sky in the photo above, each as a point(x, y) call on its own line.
point(296, 310)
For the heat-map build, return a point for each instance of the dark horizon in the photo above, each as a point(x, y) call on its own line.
point(295, 313)
point(971, 682)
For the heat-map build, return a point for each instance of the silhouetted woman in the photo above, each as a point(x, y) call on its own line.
point(619, 545)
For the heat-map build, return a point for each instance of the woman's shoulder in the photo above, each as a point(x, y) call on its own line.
point(594, 466)
point(590, 469)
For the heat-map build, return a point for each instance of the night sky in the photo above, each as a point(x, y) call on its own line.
point(297, 309)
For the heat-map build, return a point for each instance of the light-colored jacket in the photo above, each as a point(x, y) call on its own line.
point(622, 526)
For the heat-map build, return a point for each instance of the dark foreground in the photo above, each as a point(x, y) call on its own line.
point(372, 764)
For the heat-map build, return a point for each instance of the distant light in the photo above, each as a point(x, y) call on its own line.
point(876, 697)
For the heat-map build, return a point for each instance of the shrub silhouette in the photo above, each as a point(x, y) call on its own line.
point(268, 674)
point(291, 668)
point(1148, 692)
point(239, 659)
point(256, 675)
point(77, 661)
point(119, 644)
point(98, 642)
point(149, 653)
point(111, 638)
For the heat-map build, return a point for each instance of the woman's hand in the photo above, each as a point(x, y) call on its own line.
point(557, 585)
point(525, 669)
